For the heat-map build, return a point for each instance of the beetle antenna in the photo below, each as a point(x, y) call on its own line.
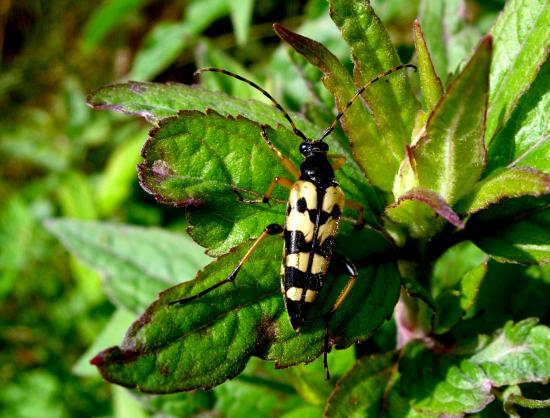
point(359, 92)
point(265, 93)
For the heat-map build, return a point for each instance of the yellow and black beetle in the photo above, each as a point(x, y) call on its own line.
point(314, 209)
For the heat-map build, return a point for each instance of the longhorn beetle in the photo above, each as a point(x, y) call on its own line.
point(313, 213)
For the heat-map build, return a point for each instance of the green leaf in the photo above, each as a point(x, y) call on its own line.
point(430, 83)
point(125, 405)
point(304, 412)
point(392, 104)
point(417, 211)
point(504, 184)
point(456, 303)
point(208, 55)
point(450, 268)
point(159, 101)
point(160, 48)
point(449, 38)
point(233, 323)
point(449, 157)
point(523, 238)
point(137, 262)
point(117, 325)
point(118, 177)
point(241, 15)
point(16, 237)
point(310, 385)
point(285, 75)
point(406, 178)
point(178, 404)
point(521, 47)
point(186, 164)
point(430, 385)
point(155, 101)
point(360, 392)
point(76, 197)
point(524, 141)
point(374, 157)
point(309, 380)
point(253, 393)
point(520, 353)
point(105, 18)
point(167, 40)
point(202, 161)
point(512, 396)
point(508, 292)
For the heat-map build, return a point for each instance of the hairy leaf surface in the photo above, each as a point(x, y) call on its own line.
point(417, 211)
point(429, 80)
point(155, 101)
point(450, 155)
point(207, 162)
point(376, 159)
point(233, 323)
point(521, 47)
point(448, 35)
point(392, 104)
point(523, 240)
point(514, 230)
point(426, 384)
point(504, 184)
point(525, 140)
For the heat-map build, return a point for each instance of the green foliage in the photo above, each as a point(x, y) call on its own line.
point(138, 263)
point(449, 313)
point(207, 157)
point(521, 48)
point(448, 157)
point(430, 83)
point(422, 383)
point(449, 35)
point(158, 354)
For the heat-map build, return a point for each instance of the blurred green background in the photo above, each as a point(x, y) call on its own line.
point(59, 158)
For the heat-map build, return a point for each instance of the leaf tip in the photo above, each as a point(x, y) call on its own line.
point(103, 357)
point(97, 360)
point(112, 355)
point(283, 33)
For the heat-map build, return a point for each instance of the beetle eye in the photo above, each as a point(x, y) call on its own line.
point(323, 146)
point(304, 147)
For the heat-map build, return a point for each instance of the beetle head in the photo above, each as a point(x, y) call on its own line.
point(315, 147)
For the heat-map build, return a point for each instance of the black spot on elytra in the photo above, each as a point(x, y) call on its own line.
point(336, 212)
point(301, 205)
point(313, 213)
point(295, 242)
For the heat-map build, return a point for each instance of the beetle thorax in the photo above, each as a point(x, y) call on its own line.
point(317, 169)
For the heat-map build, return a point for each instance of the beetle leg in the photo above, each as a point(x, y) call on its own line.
point(360, 220)
point(289, 165)
point(269, 191)
point(352, 271)
point(272, 229)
